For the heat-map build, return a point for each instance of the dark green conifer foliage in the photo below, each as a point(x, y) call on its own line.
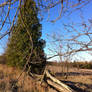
point(19, 45)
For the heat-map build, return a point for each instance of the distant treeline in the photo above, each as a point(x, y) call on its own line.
point(81, 65)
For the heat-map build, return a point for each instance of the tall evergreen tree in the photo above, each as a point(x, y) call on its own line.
point(19, 46)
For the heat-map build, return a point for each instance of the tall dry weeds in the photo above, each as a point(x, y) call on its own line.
point(9, 83)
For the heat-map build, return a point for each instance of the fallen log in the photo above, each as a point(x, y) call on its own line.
point(53, 82)
point(57, 84)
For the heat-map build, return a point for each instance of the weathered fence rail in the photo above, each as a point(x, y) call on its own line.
point(57, 84)
point(54, 82)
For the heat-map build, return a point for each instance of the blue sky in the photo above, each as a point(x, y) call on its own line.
point(57, 27)
point(3, 42)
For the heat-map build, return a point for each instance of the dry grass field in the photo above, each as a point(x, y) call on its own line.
point(79, 80)
point(8, 81)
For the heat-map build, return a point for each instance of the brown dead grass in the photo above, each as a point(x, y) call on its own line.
point(78, 79)
point(9, 83)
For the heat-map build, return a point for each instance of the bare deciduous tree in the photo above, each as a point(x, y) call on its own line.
point(78, 38)
point(10, 9)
